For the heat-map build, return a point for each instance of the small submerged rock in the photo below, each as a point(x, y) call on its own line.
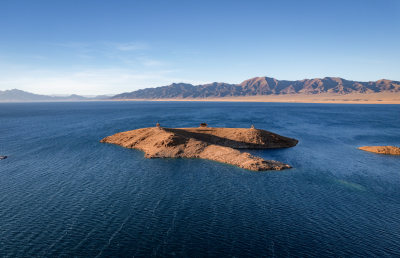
point(388, 150)
point(218, 144)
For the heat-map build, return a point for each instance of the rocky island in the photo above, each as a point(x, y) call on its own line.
point(388, 150)
point(212, 143)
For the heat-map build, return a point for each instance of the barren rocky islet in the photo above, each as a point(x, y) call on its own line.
point(387, 150)
point(218, 144)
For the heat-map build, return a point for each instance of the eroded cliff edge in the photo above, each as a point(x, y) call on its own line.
point(218, 144)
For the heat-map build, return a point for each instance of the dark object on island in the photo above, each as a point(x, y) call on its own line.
point(203, 125)
point(3, 157)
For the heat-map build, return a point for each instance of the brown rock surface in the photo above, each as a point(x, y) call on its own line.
point(207, 143)
point(388, 150)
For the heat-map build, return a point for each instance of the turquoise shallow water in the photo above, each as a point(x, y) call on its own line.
point(62, 193)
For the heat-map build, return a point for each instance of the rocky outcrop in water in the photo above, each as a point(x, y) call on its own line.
point(388, 150)
point(218, 144)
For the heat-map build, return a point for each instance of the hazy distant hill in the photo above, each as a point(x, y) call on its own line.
point(21, 96)
point(263, 86)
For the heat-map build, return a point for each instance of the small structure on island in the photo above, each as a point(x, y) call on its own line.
point(203, 125)
point(252, 127)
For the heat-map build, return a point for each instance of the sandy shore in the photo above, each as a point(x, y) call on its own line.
point(356, 98)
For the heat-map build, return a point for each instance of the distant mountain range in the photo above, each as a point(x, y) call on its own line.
point(257, 86)
point(23, 96)
point(263, 86)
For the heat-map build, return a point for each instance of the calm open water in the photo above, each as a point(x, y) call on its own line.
point(62, 193)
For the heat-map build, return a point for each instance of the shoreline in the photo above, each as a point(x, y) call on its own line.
point(324, 98)
point(357, 98)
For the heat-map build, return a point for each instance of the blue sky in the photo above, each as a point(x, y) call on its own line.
point(105, 47)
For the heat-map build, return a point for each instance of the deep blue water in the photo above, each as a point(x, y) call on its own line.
point(62, 193)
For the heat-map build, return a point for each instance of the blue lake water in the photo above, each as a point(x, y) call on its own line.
point(62, 193)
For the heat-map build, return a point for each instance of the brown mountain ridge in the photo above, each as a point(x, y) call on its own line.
point(260, 86)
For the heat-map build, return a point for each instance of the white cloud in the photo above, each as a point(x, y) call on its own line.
point(132, 46)
point(102, 47)
point(130, 67)
point(76, 45)
point(87, 82)
point(151, 62)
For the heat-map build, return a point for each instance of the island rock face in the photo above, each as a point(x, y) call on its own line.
point(388, 150)
point(218, 144)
